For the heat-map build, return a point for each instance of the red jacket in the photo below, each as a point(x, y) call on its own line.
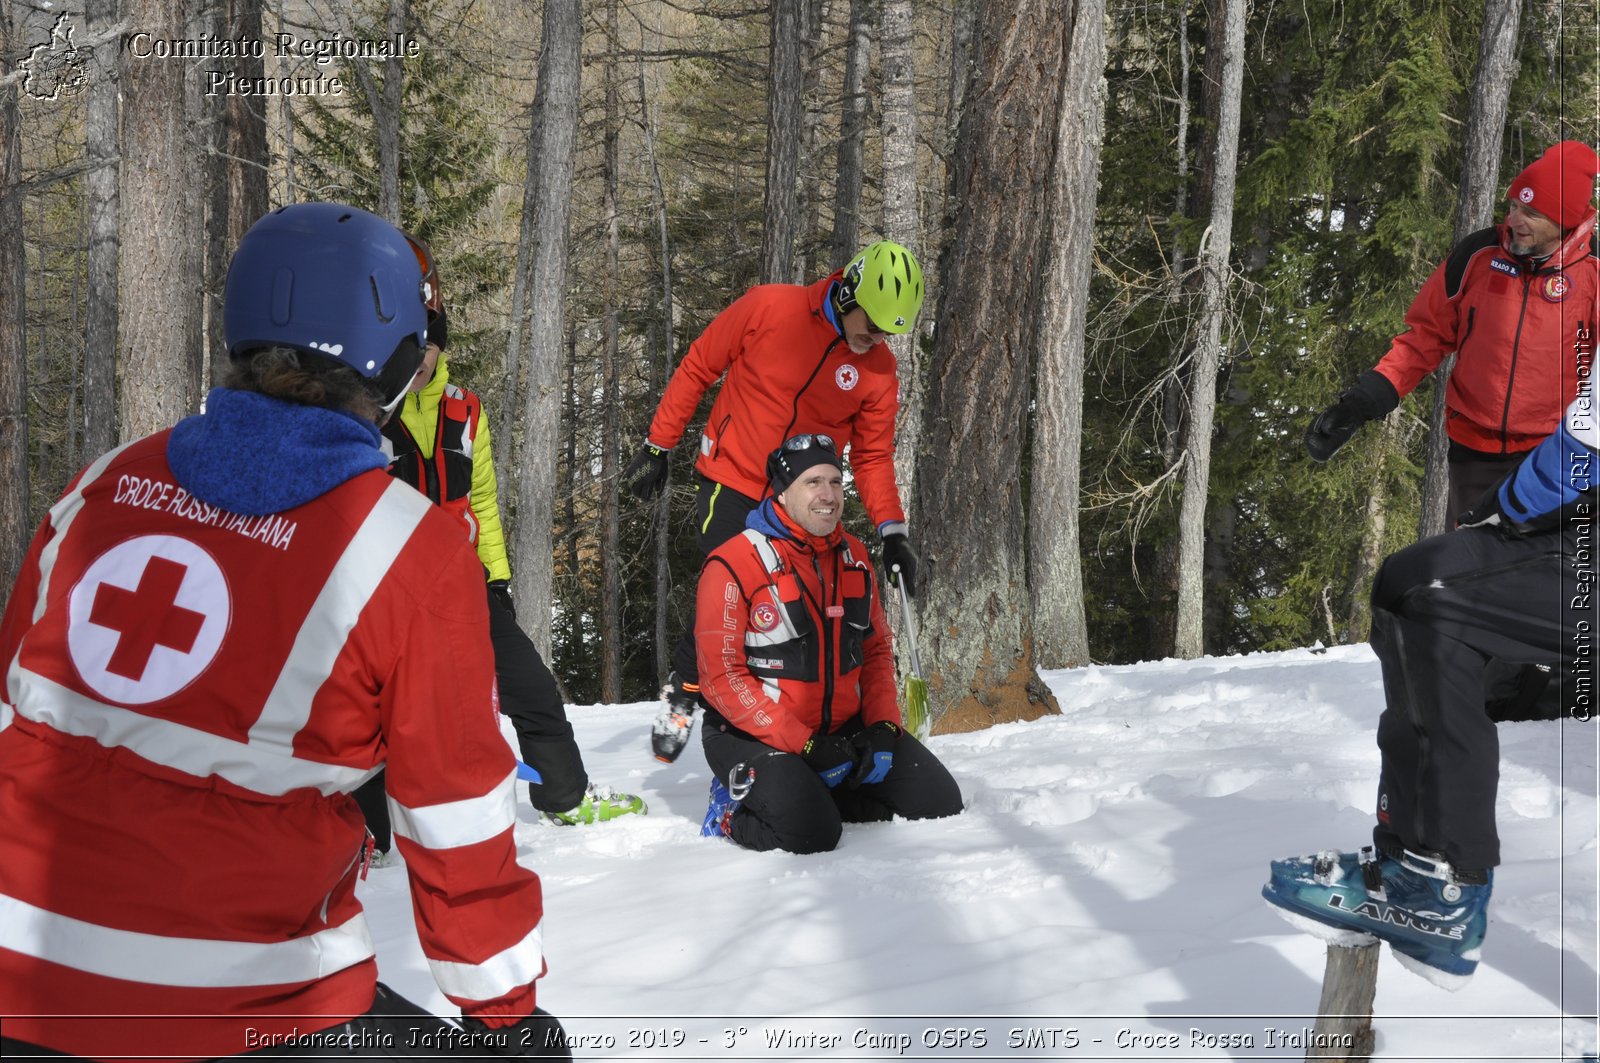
point(191, 696)
point(788, 371)
point(790, 633)
point(1513, 330)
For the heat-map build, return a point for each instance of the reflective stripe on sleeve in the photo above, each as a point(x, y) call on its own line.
point(495, 977)
point(457, 823)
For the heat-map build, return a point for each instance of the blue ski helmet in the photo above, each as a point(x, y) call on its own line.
point(333, 281)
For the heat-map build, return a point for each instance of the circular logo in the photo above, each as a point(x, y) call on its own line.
point(764, 617)
point(146, 618)
point(847, 377)
point(1557, 287)
point(1525, 194)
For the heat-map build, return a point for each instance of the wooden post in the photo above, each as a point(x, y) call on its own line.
point(1344, 1014)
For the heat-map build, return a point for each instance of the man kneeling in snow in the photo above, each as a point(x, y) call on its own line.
point(1513, 584)
point(796, 666)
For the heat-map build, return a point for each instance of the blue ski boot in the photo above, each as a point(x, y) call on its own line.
point(1433, 920)
point(719, 813)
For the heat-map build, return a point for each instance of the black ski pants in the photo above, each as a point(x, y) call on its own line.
point(789, 807)
point(1442, 610)
point(530, 698)
point(393, 1028)
point(719, 513)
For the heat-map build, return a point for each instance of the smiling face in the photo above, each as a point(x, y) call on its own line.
point(859, 331)
point(816, 499)
point(1532, 233)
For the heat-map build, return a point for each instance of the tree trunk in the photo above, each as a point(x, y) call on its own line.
point(159, 273)
point(1055, 573)
point(610, 555)
point(901, 220)
point(976, 623)
point(552, 151)
point(784, 116)
point(660, 371)
point(1480, 171)
point(852, 132)
point(102, 204)
point(1228, 34)
point(15, 525)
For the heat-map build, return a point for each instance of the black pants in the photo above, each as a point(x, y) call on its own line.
point(530, 698)
point(393, 1028)
point(719, 514)
point(789, 807)
point(1442, 610)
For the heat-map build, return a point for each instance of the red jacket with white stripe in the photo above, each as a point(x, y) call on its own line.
point(1517, 332)
point(790, 633)
point(191, 696)
point(788, 371)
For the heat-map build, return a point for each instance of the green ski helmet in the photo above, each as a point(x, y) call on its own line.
point(886, 282)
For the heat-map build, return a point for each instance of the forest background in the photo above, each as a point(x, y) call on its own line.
point(1159, 236)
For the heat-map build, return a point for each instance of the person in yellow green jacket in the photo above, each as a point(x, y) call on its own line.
point(441, 446)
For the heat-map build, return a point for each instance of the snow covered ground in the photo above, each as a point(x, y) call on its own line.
point(1099, 898)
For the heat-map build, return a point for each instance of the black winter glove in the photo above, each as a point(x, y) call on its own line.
point(830, 756)
point(897, 555)
point(500, 591)
point(1371, 397)
point(539, 1036)
point(646, 473)
point(874, 753)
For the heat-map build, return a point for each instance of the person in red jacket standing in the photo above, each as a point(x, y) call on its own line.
point(796, 669)
point(219, 633)
point(793, 358)
point(1514, 303)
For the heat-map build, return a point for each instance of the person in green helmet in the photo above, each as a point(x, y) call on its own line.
point(792, 359)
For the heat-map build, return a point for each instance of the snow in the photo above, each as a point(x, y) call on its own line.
point(1098, 899)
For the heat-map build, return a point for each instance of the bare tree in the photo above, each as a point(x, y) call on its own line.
point(14, 522)
point(160, 270)
point(542, 253)
point(852, 132)
point(902, 221)
point(102, 205)
point(610, 515)
point(1055, 572)
point(1480, 171)
point(976, 620)
point(1227, 33)
point(784, 128)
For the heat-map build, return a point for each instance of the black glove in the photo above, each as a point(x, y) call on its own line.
point(830, 756)
point(1371, 397)
point(897, 555)
point(646, 473)
point(874, 753)
point(539, 1036)
point(500, 591)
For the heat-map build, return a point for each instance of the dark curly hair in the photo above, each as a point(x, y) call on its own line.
point(293, 376)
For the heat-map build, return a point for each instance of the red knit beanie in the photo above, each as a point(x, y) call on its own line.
point(1559, 184)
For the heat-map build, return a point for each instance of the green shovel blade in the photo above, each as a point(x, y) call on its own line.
point(917, 707)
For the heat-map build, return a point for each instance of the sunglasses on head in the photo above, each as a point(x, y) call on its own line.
point(808, 440)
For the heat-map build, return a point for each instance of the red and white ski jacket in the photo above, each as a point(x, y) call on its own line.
point(788, 371)
point(1515, 331)
point(790, 633)
point(191, 695)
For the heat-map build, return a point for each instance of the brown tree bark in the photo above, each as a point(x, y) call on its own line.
point(852, 132)
point(1055, 572)
point(976, 622)
point(542, 253)
point(610, 513)
point(159, 279)
point(1480, 170)
point(102, 204)
point(1225, 39)
point(784, 122)
point(15, 530)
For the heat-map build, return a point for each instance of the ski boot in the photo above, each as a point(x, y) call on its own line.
point(1432, 916)
point(675, 722)
point(599, 804)
point(719, 813)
